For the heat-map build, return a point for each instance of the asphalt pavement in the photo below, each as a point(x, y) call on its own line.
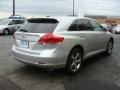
point(97, 73)
point(6, 84)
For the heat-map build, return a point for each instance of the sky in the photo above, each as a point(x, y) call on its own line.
point(61, 7)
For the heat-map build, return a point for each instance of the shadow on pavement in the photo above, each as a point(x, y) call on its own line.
point(6, 84)
point(95, 74)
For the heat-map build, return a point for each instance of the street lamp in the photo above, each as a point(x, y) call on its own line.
point(13, 7)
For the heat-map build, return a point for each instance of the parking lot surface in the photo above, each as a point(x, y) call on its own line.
point(97, 73)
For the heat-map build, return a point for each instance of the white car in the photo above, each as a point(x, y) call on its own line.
point(116, 29)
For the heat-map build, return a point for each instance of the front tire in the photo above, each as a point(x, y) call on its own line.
point(6, 32)
point(74, 61)
point(109, 48)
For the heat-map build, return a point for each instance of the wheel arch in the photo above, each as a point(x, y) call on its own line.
point(80, 47)
point(67, 66)
point(7, 29)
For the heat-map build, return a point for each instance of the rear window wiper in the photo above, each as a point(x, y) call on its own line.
point(23, 30)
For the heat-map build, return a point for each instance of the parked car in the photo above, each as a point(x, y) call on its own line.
point(60, 42)
point(17, 17)
point(108, 27)
point(105, 26)
point(116, 29)
point(8, 26)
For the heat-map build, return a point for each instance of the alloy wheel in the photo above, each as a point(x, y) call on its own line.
point(6, 32)
point(75, 61)
point(110, 46)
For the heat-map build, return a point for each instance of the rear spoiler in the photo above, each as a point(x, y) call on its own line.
point(42, 20)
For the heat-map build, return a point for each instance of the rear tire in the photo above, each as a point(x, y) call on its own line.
point(109, 48)
point(6, 32)
point(74, 61)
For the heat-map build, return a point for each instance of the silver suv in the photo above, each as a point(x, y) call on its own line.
point(60, 42)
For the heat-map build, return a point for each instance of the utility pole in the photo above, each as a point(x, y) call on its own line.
point(13, 7)
point(73, 7)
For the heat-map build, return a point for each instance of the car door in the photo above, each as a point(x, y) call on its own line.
point(12, 26)
point(19, 23)
point(83, 30)
point(100, 36)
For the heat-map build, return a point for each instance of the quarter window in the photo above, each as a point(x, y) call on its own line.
point(12, 22)
point(19, 22)
point(73, 27)
point(84, 25)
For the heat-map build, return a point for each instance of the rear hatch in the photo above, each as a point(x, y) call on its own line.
point(27, 39)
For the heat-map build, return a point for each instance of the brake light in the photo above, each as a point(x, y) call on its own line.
point(49, 38)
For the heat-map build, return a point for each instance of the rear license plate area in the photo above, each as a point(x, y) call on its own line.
point(24, 44)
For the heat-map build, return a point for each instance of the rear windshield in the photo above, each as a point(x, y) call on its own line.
point(39, 25)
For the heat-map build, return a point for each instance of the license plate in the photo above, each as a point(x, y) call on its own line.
point(24, 44)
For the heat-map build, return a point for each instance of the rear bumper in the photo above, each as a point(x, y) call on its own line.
point(47, 61)
point(50, 66)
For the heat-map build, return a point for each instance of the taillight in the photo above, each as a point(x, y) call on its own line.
point(49, 38)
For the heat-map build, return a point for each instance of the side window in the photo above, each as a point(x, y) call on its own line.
point(73, 27)
point(84, 25)
point(96, 26)
point(19, 22)
point(12, 22)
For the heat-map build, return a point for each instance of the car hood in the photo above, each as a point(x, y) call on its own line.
point(2, 26)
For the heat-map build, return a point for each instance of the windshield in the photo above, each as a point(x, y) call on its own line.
point(39, 26)
point(4, 21)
